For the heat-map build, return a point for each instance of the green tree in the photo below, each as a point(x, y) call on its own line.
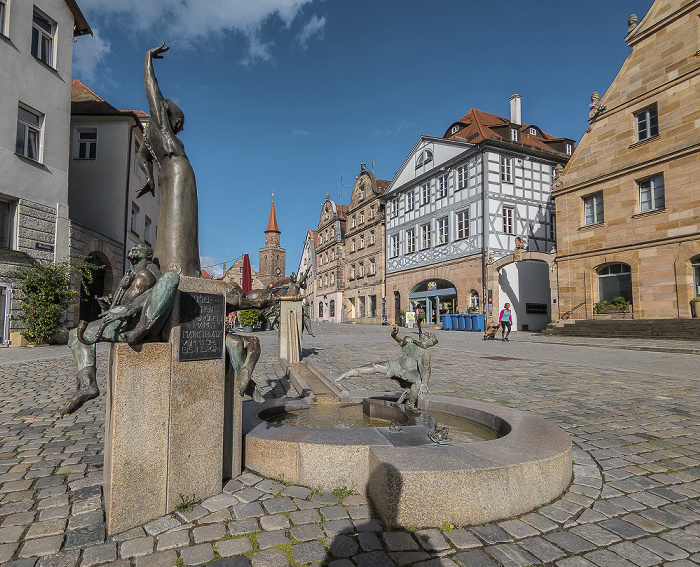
point(46, 294)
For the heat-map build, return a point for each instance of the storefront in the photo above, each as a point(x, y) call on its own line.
point(437, 297)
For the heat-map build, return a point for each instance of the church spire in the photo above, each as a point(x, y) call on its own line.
point(272, 224)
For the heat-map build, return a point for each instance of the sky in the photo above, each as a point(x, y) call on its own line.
point(286, 97)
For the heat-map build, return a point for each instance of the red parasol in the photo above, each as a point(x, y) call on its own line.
point(247, 275)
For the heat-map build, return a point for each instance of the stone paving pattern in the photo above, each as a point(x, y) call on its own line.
point(633, 415)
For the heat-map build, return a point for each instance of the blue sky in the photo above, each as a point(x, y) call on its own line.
point(287, 96)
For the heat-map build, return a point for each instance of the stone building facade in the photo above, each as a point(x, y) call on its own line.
point(364, 295)
point(628, 202)
point(308, 262)
point(463, 201)
point(34, 129)
point(330, 262)
point(235, 274)
point(272, 257)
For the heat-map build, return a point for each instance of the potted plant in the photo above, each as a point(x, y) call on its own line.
point(695, 306)
point(472, 309)
point(248, 318)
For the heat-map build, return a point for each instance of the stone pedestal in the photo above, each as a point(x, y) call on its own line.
point(167, 404)
point(290, 329)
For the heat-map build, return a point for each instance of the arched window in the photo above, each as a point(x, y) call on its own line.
point(320, 308)
point(615, 280)
point(474, 299)
point(695, 263)
point(332, 309)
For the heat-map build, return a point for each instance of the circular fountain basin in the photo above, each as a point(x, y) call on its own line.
point(417, 483)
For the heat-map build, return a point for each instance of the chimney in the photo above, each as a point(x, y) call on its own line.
point(515, 111)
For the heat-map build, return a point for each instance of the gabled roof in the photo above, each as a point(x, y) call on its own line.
point(477, 126)
point(660, 10)
point(206, 274)
point(86, 102)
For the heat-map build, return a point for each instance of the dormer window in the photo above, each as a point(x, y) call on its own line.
point(569, 149)
point(533, 132)
point(424, 157)
point(514, 134)
point(454, 130)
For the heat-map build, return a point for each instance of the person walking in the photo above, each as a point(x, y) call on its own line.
point(506, 320)
point(420, 317)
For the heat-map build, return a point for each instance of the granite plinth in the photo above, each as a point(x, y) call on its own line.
point(165, 421)
point(290, 329)
point(424, 485)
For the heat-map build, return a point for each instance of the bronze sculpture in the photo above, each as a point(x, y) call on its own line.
point(177, 242)
point(411, 370)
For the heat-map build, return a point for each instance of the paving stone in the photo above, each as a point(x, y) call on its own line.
point(491, 534)
point(358, 512)
point(574, 562)
point(62, 559)
point(270, 558)
point(41, 546)
point(233, 561)
point(136, 547)
point(432, 540)
point(269, 486)
point(223, 515)
point(462, 539)
point(406, 557)
point(233, 486)
point(338, 527)
point(173, 540)
point(279, 505)
point(53, 502)
point(236, 546)
point(510, 555)
point(306, 532)
point(98, 554)
point(437, 562)
point(474, 558)
point(305, 517)
point(271, 539)
point(370, 525)
point(605, 558)
point(242, 527)
point(309, 552)
point(596, 535)
point(193, 515)
point(341, 563)
point(161, 525)
point(210, 532)
point(296, 492)
point(623, 529)
point(664, 518)
point(11, 534)
point(219, 501)
point(84, 537)
point(27, 562)
point(248, 478)
point(570, 542)
point(247, 494)
point(129, 534)
point(324, 498)
point(197, 554)
point(243, 511)
point(22, 519)
point(373, 559)
point(636, 554)
point(334, 513)
point(683, 539)
point(7, 550)
point(369, 541)
point(85, 520)
point(662, 548)
point(305, 504)
point(542, 549)
point(274, 522)
point(162, 559)
point(399, 541)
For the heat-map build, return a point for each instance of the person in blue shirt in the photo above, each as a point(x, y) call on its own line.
point(506, 320)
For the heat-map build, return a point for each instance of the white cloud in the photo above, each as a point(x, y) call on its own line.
point(190, 21)
point(300, 133)
point(314, 27)
point(212, 266)
point(88, 52)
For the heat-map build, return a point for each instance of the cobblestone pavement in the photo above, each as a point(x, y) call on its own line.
point(633, 415)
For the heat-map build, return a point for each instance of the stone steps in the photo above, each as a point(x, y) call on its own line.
point(627, 328)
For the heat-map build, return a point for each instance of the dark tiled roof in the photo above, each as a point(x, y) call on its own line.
point(85, 101)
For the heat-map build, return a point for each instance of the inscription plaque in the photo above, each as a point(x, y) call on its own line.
point(201, 326)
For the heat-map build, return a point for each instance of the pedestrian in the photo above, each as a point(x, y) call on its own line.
point(506, 320)
point(420, 316)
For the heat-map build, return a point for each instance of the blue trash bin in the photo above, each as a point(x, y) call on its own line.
point(446, 323)
point(453, 322)
point(460, 321)
point(468, 322)
point(479, 322)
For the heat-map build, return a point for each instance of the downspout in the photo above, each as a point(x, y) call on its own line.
point(484, 250)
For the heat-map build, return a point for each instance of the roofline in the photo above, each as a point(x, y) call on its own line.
point(81, 26)
point(121, 114)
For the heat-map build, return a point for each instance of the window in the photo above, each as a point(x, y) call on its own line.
point(462, 176)
point(425, 193)
point(332, 255)
point(3, 31)
point(410, 200)
point(42, 39)
point(29, 126)
point(508, 214)
point(506, 169)
point(424, 157)
point(695, 264)
point(320, 308)
point(362, 269)
point(147, 230)
point(362, 217)
point(647, 123)
point(371, 212)
point(332, 308)
point(455, 129)
point(352, 272)
point(135, 218)
point(361, 301)
point(372, 312)
point(332, 279)
point(7, 210)
point(362, 242)
point(514, 134)
point(442, 187)
point(394, 207)
point(372, 267)
point(614, 281)
point(394, 246)
point(462, 225)
point(593, 209)
point(442, 231)
point(552, 226)
point(352, 245)
point(371, 237)
point(86, 139)
point(354, 221)
point(651, 194)
point(569, 149)
point(474, 299)
point(410, 241)
point(533, 132)
point(425, 236)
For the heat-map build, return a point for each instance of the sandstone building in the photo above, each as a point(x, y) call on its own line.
point(330, 262)
point(628, 202)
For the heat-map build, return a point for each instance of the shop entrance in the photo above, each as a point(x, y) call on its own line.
point(437, 297)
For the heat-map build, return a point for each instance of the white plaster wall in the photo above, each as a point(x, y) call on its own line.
point(525, 282)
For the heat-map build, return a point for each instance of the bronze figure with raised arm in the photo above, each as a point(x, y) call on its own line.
point(177, 242)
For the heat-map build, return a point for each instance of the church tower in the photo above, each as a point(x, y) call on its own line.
point(272, 257)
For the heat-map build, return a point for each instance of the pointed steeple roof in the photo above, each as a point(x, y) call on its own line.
point(272, 224)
